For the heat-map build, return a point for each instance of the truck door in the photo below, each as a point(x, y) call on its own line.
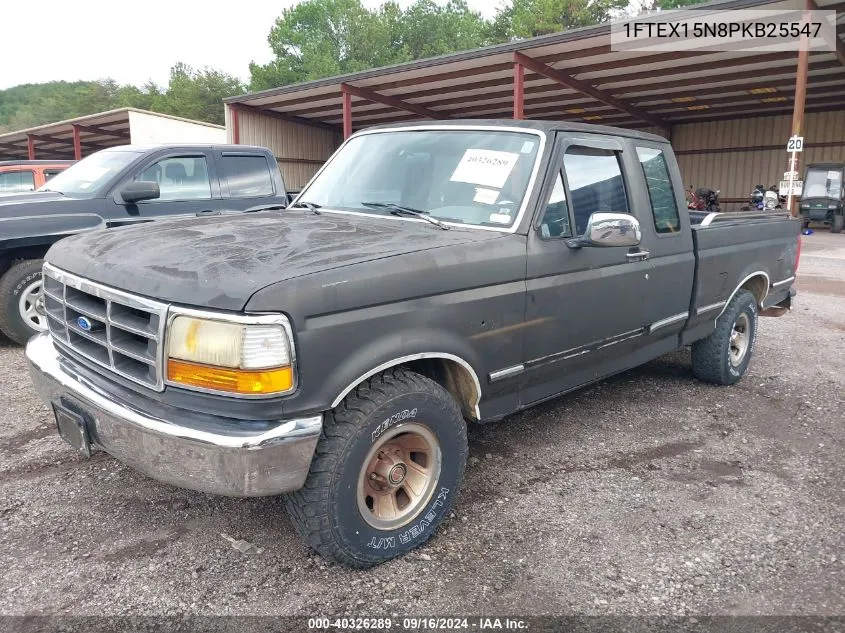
point(598, 310)
point(188, 182)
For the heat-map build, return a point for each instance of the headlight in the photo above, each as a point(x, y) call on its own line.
point(833, 206)
point(230, 356)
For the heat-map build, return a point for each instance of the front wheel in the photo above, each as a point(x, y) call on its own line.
point(722, 358)
point(386, 471)
point(837, 223)
point(21, 304)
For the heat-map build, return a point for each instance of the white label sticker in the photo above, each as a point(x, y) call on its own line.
point(485, 167)
point(485, 196)
point(500, 218)
point(833, 175)
point(527, 147)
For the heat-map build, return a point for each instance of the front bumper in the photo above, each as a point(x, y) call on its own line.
point(240, 463)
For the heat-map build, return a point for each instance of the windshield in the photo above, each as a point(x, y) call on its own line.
point(471, 177)
point(89, 174)
point(823, 183)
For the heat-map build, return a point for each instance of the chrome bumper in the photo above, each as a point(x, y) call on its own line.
point(237, 464)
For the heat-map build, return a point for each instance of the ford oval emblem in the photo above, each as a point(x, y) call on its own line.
point(84, 324)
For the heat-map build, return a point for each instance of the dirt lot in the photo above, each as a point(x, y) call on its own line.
point(650, 493)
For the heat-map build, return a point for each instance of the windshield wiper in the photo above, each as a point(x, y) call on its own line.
point(311, 206)
point(398, 209)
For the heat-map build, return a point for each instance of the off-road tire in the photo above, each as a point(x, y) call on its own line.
point(711, 356)
point(325, 510)
point(837, 223)
point(12, 283)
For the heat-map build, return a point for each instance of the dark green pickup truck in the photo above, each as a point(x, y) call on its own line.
point(429, 275)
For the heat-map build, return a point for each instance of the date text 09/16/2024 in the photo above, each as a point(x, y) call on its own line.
point(418, 623)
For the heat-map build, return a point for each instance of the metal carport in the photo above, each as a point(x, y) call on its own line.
point(575, 76)
point(78, 137)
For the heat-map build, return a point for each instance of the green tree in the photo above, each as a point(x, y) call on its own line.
point(323, 38)
point(194, 94)
point(529, 18)
point(428, 29)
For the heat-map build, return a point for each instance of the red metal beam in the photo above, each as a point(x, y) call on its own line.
point(95, 129)
point(347, 113)
point(30, 146)
point(77, 144)
point(375, 97)
point(518, 91)
point(587, 89)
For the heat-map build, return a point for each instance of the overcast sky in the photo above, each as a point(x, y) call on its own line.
point(136, 41)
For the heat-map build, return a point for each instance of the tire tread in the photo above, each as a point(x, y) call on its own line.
point(309, 508)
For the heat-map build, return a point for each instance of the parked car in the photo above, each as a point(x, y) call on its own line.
point(823, 195)
point(428, 275)
point(118, 187)
point(18, 176)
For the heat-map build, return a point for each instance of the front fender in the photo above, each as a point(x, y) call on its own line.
point(338, 373)
point(46, 229)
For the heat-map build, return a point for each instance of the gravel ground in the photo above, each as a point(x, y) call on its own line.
point(649, 493)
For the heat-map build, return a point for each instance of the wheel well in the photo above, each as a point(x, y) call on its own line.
point(757, 285)
point(455, 378)
point(23, 252)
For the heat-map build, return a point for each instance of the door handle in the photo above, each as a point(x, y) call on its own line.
point(637, 256)
point(207, 212)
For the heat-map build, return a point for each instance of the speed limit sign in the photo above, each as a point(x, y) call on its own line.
point(795, 144)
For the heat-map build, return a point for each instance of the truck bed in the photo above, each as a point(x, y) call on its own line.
point(732, 250)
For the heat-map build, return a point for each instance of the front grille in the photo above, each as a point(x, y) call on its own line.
point(124, 332)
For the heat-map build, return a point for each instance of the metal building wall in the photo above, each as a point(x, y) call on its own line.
point(299, 149)
point(711, 154)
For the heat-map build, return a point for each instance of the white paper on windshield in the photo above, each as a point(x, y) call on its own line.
point(485, 196)
point(833, 175)
point(486, 167)
point(527, 147)
point(500, 218)
point(93, 173)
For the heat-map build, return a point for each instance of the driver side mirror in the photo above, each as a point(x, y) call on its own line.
point(138, 190)
point(609, 229)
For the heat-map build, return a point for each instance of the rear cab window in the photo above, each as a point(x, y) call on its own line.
point(248, 175)
point(664, 205)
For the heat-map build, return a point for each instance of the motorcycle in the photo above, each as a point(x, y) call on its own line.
point(763, 199)
point(773, 200)
point(703, 199)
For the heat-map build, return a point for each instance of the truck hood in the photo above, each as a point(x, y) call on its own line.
point(12, 204)
point(221, 261)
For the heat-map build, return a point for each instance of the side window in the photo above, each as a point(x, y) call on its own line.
point(664, 207)
point(179, 178)
point(248, 176)
point(16, 181)
point(595, 183)
point(555, 221)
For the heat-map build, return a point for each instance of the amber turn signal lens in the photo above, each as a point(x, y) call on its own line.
point(243, 381)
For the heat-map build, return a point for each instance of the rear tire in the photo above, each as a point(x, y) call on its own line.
point(837, 223)
point(386, 470)
point(21, 305)
point(722, 358)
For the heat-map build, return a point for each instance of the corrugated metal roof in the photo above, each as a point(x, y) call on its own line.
point(674, 87)
point(97, 131)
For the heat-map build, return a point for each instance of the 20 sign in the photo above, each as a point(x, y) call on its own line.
point(795, 144)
